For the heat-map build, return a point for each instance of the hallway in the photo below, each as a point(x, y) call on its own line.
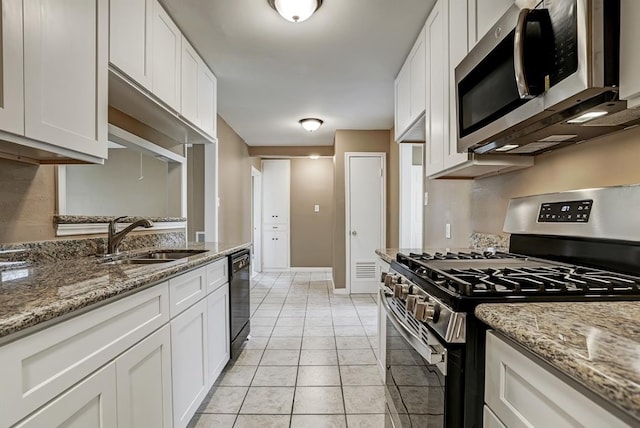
point(310, 361)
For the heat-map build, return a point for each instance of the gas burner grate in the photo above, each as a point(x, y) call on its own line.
point(535, 280)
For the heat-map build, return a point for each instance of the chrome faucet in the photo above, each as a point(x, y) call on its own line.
point(114, 237)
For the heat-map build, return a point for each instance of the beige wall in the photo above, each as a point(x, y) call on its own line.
point(286, 151)
point(349, 141)
point(448, 202)
point(234, 188)
point(27, 202)
point(311, 238)
point(195, 191)
point(607, 161)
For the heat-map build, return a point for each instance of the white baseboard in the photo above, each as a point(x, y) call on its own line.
point(311, 269)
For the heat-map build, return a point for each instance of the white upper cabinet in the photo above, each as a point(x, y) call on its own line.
point(448, 40)
point(198, 90)
point(167, 45)
point(630, 52)
point(276, 184)
point(437, 93)
point(54, 79)
point(130, 47)
point(409, 92)
point(483, 14)
point(207, 99)
point(11, 72)
point(189, 79)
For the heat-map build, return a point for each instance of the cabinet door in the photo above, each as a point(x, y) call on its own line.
point(189, 87)
point(437, 119)
point(417, 65)
point(218, 331)
point(167, 42)
point(189, 362)
point(90, 404)
point(207, 99)
point(275, 191)
point(276, 249)
point(630, 52)
point(11, 69)
point(65, 73)
point(130, 32)
point(458, 48)
point(483, 14)
point(143, 379)
point(403, 100)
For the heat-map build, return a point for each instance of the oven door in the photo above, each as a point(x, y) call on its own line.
point(415, 372)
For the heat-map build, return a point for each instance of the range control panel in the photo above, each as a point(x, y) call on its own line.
point(565, 212)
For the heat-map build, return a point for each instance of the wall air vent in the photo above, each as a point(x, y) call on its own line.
point(365, 270)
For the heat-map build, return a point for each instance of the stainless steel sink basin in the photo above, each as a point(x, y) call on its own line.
point(171, 255)
point(139, 261)
point(155, 257)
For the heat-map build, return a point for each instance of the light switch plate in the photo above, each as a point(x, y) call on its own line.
point(316, 208)
point(426, 198)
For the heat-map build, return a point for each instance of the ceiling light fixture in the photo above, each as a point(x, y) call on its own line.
point(314, 157)
point(310, 123)
point(295, 10)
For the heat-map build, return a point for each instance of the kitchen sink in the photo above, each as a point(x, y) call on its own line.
point(155, 257)
point(171, 255)
point(138, 261)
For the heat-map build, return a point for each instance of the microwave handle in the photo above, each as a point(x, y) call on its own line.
point(518, 55)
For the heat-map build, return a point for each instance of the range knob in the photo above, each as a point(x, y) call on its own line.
point(424, 311)
point(401, 291)
point(412, 301)
point(390, 279)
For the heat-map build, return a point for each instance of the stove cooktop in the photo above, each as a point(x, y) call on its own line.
point(489, 276)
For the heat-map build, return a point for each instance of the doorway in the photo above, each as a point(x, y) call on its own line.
point(365, 187)
point(256, 221)
point(411, 195)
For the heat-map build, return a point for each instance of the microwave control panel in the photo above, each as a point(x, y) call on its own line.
point(565, 212)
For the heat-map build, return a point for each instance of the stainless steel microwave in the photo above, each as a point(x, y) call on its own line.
point(542, 78)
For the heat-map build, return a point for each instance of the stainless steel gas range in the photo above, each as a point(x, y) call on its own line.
point(573, 246)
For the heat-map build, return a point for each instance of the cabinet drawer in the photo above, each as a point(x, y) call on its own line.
point(36, 368)
point(186, 289)
point(217, 274)
point(521, 393)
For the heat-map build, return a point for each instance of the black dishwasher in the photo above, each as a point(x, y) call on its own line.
point(239, 298)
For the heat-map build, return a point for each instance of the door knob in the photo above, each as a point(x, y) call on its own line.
point(354, 233)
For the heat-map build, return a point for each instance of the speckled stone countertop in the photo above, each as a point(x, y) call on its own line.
point(596, 344)
point(86, 219)
point(39, 293)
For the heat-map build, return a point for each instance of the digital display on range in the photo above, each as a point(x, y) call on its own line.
point(565, 212)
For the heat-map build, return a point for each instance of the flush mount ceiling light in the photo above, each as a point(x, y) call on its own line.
point(295, 10)
point(310, 123)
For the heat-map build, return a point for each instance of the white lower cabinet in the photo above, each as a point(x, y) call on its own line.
point(218, 331)
point(520, 393)
point(143, 378)
point(126, 364)
point(189, 363)
point(89, 404)
point(276, 249)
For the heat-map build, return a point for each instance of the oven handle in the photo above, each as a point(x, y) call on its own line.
point(433, 354)
point(518, 55)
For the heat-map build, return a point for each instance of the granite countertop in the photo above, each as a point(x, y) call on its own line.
point(88, 219)
point(39, 293)
point(596, 344)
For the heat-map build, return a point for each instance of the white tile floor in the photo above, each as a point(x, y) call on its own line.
point(310, 361)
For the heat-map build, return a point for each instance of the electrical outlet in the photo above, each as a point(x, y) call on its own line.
point(447, 230)
point(426, 198)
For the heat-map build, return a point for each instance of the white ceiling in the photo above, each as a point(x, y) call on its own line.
point(338, 66)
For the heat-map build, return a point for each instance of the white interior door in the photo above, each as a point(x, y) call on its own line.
point(256, 206)
point(365, 222)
